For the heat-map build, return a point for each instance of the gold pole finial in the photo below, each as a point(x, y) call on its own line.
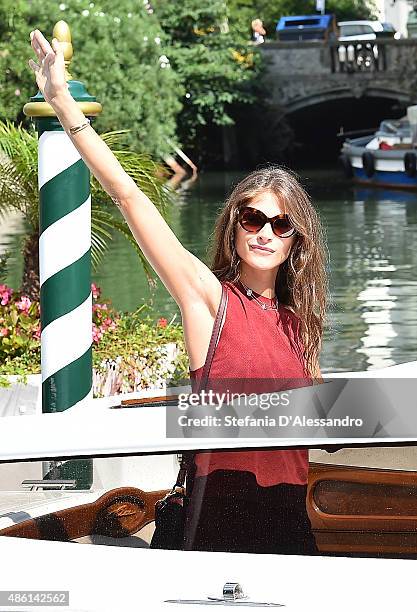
point(62, 33)
point(37, 107)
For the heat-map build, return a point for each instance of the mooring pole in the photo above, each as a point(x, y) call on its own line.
point(64, 249)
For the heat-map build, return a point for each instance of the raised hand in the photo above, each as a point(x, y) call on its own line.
point(50, 71)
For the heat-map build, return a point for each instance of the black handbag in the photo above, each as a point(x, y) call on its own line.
point(170, 512)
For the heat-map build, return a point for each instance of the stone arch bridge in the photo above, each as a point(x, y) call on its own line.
point(304, 74)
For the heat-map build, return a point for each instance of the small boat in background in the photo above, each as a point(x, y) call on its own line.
point(386, 158)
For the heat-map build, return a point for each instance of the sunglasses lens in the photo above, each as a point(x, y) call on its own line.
point(252, 221)
point(282, 227)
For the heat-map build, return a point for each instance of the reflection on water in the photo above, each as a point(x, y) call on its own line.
point(372, 240)
point(376, 313)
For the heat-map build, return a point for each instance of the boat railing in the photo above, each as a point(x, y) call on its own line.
point(51, 485)
point(157, 429)
point(362, 141)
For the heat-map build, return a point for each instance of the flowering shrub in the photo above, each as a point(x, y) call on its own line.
point(139, 354)
point(19, 325)
point(130, 350)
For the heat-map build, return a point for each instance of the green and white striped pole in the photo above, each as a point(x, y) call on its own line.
point(64, 250)
point(65, 271)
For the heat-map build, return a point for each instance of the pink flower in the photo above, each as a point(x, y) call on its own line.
point(17, 92)
point(37, 332)
point(4, 331)
point(97, 334)
point(98, 308)
point(162, 322)
point(5, 294)
point(95, 291)
point(24, 304)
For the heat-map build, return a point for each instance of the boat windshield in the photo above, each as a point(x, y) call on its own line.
point(395, 126)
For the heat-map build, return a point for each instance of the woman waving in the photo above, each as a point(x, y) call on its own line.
point(257, 313)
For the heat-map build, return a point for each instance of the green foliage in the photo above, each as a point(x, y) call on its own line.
point(216, 65)
point(242, 12)
point(22, 366)
point(3, 265)
point(19, 172)
point(117, 47)
point(4, 381)
point(187, 21)
point(19, 326)
point(19, 187)
point(178, 66)
point(16, 83)
point(139, 349)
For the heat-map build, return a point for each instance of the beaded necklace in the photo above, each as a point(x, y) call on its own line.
point(250, 293)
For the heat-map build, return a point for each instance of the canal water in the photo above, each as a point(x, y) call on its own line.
point(372, 243)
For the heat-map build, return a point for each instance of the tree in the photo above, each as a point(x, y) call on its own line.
point(216, 65)
point(19, 191)
point(118, 51)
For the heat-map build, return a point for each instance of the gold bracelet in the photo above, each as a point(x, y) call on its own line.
point(78, 128)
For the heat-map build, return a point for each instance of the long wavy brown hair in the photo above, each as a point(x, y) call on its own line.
point(301, 282)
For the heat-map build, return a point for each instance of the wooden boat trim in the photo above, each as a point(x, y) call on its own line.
point(118, 513)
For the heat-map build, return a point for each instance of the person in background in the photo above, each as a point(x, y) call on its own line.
point(258, 32)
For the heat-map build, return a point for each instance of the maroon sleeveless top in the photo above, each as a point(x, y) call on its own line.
point(256, 345)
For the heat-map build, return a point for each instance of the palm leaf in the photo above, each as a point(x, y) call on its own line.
point(141, 168)
point(101, 233)
point(18, 172)
point(19, 187)
point(124, 229)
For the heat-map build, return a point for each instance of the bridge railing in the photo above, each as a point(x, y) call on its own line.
point(326, 57)
point(358, 56)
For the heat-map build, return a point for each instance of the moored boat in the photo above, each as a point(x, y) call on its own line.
point(386, 158)
point(361, 501)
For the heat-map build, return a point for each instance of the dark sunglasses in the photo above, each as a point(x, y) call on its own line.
point(253, 220)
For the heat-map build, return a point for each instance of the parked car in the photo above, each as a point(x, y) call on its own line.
point(366, 30)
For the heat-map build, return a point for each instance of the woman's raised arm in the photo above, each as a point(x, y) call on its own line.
point(187, 278)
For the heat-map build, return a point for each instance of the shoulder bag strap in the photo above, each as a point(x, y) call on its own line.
point(187, 458)
point(214, 339)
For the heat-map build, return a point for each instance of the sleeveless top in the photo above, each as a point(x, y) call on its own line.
point(256, 346)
